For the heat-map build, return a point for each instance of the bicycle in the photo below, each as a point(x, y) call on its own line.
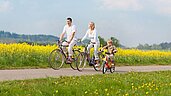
point(107, 64)
point(59, 56)
point(91, 61)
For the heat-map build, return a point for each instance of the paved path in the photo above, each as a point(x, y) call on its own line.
point(21, 74)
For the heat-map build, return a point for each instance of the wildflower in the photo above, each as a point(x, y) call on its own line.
point(85, 92)
point(106, 90)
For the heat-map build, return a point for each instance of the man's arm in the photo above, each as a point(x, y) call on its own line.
point(62, 34)
point(61, 37)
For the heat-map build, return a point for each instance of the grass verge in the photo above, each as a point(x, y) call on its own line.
point(128, 84)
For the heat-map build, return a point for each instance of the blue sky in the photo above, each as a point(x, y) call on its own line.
point(131, 21)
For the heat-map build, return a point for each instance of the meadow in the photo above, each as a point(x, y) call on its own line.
point(128, 84)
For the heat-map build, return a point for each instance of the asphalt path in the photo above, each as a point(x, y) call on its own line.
point(22, 74)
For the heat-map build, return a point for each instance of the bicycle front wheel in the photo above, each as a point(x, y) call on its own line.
point(56, 59)
point(112, 69)
point(81, 62)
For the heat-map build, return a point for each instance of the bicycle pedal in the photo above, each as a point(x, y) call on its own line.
point(68, 62)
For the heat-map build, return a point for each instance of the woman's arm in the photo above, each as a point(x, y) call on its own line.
point(95, 36)
point(85, 36)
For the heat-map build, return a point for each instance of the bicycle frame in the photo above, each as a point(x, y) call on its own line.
point(91, 60)
point(60, 47)
point(107, 61)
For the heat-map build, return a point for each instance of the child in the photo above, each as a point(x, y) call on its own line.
point(111, 50)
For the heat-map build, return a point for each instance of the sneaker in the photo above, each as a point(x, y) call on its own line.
point(97, 65)
point(112, 64)
point(69, 61)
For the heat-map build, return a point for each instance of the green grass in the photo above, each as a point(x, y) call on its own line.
point(128, 84)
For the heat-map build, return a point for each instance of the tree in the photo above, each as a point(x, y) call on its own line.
point(102, 41)
point(140, 46)
point(156, 47)
point(115, 41)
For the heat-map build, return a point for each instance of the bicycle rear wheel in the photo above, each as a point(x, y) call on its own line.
point(99, 68)
point(56, 59)
point(81, 62)
point(104, 69)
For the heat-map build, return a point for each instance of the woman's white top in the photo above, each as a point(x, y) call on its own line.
point(91, 36)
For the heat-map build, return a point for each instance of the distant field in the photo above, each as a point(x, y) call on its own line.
point(28, 56)
point(128, 84)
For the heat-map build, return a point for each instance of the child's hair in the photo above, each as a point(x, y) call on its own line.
point(109, 41)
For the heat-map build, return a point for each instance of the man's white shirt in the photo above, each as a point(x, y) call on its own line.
point(69, 31)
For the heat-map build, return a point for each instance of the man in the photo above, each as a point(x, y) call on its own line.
point(70, 30)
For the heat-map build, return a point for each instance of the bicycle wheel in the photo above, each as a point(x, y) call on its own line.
point(81, 61)
point(104, 69)
point(75, 58)
point(56, 59)
point(99, 68)
point(112, 69)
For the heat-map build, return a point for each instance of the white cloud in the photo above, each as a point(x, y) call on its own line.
point(157, 6)
point(5, 6)
point(163, 6)
point(122, 4)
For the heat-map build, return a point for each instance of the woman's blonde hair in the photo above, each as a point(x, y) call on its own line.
point(93, 24)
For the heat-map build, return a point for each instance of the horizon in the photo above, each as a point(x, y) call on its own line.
point(132, 22)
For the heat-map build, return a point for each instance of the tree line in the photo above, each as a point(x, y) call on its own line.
point(161, 46)
point(13, 37)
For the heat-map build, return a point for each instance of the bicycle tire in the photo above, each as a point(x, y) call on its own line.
point(82, 62)
point(112, 69)
point(98, 68)
point(56, 59)
point(104, 69)
point(73, 65)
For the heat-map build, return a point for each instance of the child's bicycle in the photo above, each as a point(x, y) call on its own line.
point(108, 64)
point(59, 56)
point(89, 59)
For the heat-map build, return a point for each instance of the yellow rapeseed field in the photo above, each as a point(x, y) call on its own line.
point(19, 55)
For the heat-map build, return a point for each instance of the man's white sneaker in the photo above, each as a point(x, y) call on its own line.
point(97, 65)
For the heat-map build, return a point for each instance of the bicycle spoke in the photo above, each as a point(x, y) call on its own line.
point(56, 59)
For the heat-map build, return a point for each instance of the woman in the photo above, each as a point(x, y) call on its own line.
point(91, 34)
